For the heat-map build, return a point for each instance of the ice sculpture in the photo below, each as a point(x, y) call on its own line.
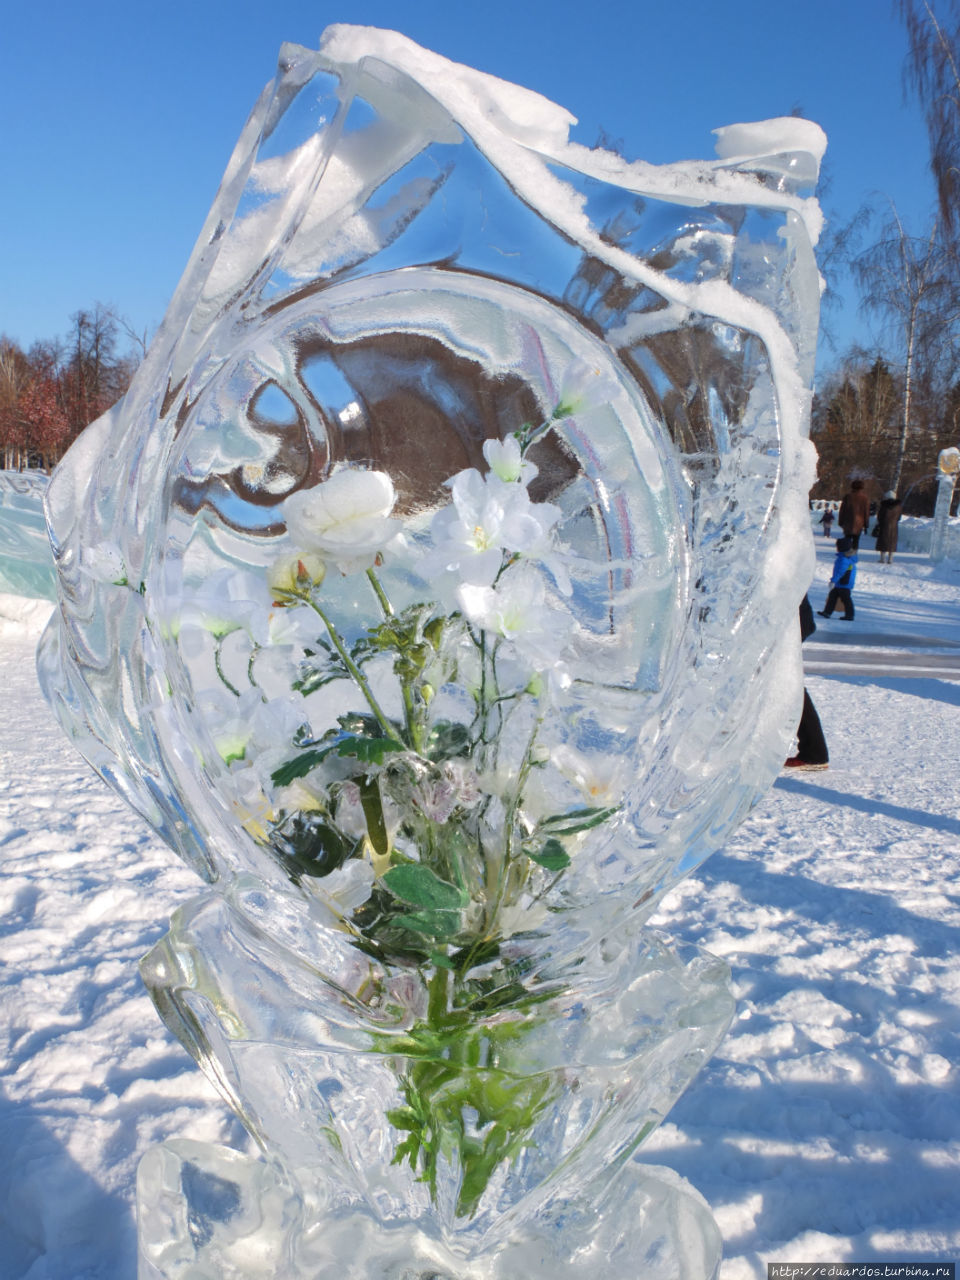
point(433, 593)
point(26, 568)
point(948, 468)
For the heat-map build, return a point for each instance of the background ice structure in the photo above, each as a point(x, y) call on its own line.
point(407, 258)
point(25, 565)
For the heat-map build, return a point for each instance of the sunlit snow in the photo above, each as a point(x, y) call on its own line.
point(827, 1127)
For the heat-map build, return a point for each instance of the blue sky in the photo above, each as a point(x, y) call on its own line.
point(120, 118)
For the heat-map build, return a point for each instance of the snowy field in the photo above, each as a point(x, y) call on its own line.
point(826, 1128)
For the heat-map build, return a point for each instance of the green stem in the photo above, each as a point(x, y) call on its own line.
point(437, 997)
point(218, 648)
point(250, 665)
point(414, 735)
point(529, 433)
point(381, 595)
point(483, 686)
point(509, 819)
point(354, 670)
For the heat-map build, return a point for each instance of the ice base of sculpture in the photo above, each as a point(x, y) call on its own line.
point(209, 1213)
point(319, 1084)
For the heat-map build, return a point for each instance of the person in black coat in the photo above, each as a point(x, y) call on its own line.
point(811, 744)
point(888, 518)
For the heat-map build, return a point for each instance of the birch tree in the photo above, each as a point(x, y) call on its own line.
point(909, 284)
point(933, 73)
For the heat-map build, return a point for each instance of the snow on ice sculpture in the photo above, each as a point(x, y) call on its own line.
point(433, 593)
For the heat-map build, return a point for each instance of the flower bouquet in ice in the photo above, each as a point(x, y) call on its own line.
point(436, 814)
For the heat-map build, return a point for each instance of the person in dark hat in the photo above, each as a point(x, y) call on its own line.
point(841, 580)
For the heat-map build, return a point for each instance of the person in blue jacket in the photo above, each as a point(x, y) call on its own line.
point(841, 580)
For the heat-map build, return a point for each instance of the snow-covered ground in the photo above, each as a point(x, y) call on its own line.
point(827, 1127)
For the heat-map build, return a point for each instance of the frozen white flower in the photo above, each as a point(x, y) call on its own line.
point(500, 783)
point(406, 998)
point(518, 610)
point(230, 721)
point(249, 727)
point(346, 519)
point(585, 385)
point(225, 602)
point(600, 779)
point(486, 518)
point(343, 890)
point(295, 627)
point(522, 917)
point(506, 461)
point(104, 562)
point(273, 727)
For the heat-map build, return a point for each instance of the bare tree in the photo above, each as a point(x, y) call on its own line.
point(909, 283)
point(137, 338)
point(837, 248)
point(94, 376)
point(933, 72)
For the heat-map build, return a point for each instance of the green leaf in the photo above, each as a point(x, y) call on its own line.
point(477, 953)
point(552, 855)
point(433, 924)
point(358, 724)
point(316, 680)
point(568, 824)
point(299, 766)
point(403, 1118)
point(417, 884)
point(433, 631)
point(369, 750)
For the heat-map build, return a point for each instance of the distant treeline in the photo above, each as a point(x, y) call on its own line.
point(49, 393)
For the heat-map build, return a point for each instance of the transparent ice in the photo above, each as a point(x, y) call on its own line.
point(409, 266)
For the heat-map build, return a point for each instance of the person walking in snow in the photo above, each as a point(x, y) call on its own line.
point(854, 515)
point(888, 518)
point(841, 580)
point(827, 521)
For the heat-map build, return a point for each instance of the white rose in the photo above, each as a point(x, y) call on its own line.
point(346, 519)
